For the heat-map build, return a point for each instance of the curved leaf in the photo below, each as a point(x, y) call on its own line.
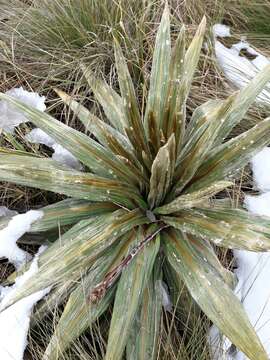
point(230, 228)
point(225, 160)
point(128, 297)
point(144, 335)
point(49, 175)
point(214, 297)
point(73, 253)
point(88, 151)
point(162, 173)
point(110, 101)
point(135, 131)
point(108, 136)
point(68, 212)
point(159, 80)
point(79, 313)
point(192, 199)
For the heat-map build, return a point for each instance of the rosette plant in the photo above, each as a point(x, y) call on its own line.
point(145, 201)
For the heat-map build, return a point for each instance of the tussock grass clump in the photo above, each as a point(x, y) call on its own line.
point(48, 39)
point(144, 209)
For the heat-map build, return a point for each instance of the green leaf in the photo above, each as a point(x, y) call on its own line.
point(201, 116)
point(79, 313)
point(135, 131)
point(243, 101)
point(189, 66)
point(161, 173)
point(17, 152)
point(214, 297)
point(48, 304)
point(69, 211)
point(100, 129)
point(175, 123)
point(192, 199)
point(184, 305)
point(88, 151)
point(49, 175)
point(159, 79)
point(199, 146)
point(193, 54)
point(72, 254)
point(226, 159)
point(109, 137)
point(110, 101)
point(199, 122)
point(144, 335)
point(230, 228)
point(128, 297)
point(206, 250)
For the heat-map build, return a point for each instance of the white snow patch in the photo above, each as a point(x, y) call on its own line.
point(17, 227)
point(4, 211)
point(260, 164)
point(166, 300)
point(221, 30)
point(259, 204)
point(15, 320)
point(38, 136)
point(10, 117)
point(61, 155)
point(239, 69)
point(220, 345)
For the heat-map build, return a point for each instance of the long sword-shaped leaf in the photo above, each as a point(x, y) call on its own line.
point(100, 129)
point(192, 199)
point(106, 134)
point(243, 101)
point(201, 115)
point(206, 249)
point(230, 228)
point(68, 212)
point(144, 335)
point(128, 297)
point(110, 101)
point(85, 149)
point(72, 254)
point(214, 297)
point(175, 122)
point(159, 79)
point(79, 313)
point(161, 173)
point(55, 298)
point(232, 155)
point(135, 131)
point(49, 175)
point(200, 120)
point(199, 145)
point(190, 63)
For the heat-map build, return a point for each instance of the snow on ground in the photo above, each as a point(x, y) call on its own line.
point(261, 170)
point(10, 117)
point(221, 30)
point(15, 320)
point(38, 136)
point(17, 226)
point(238, 68)
point(4, 211)
point(166, 300)
point(253, 270)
